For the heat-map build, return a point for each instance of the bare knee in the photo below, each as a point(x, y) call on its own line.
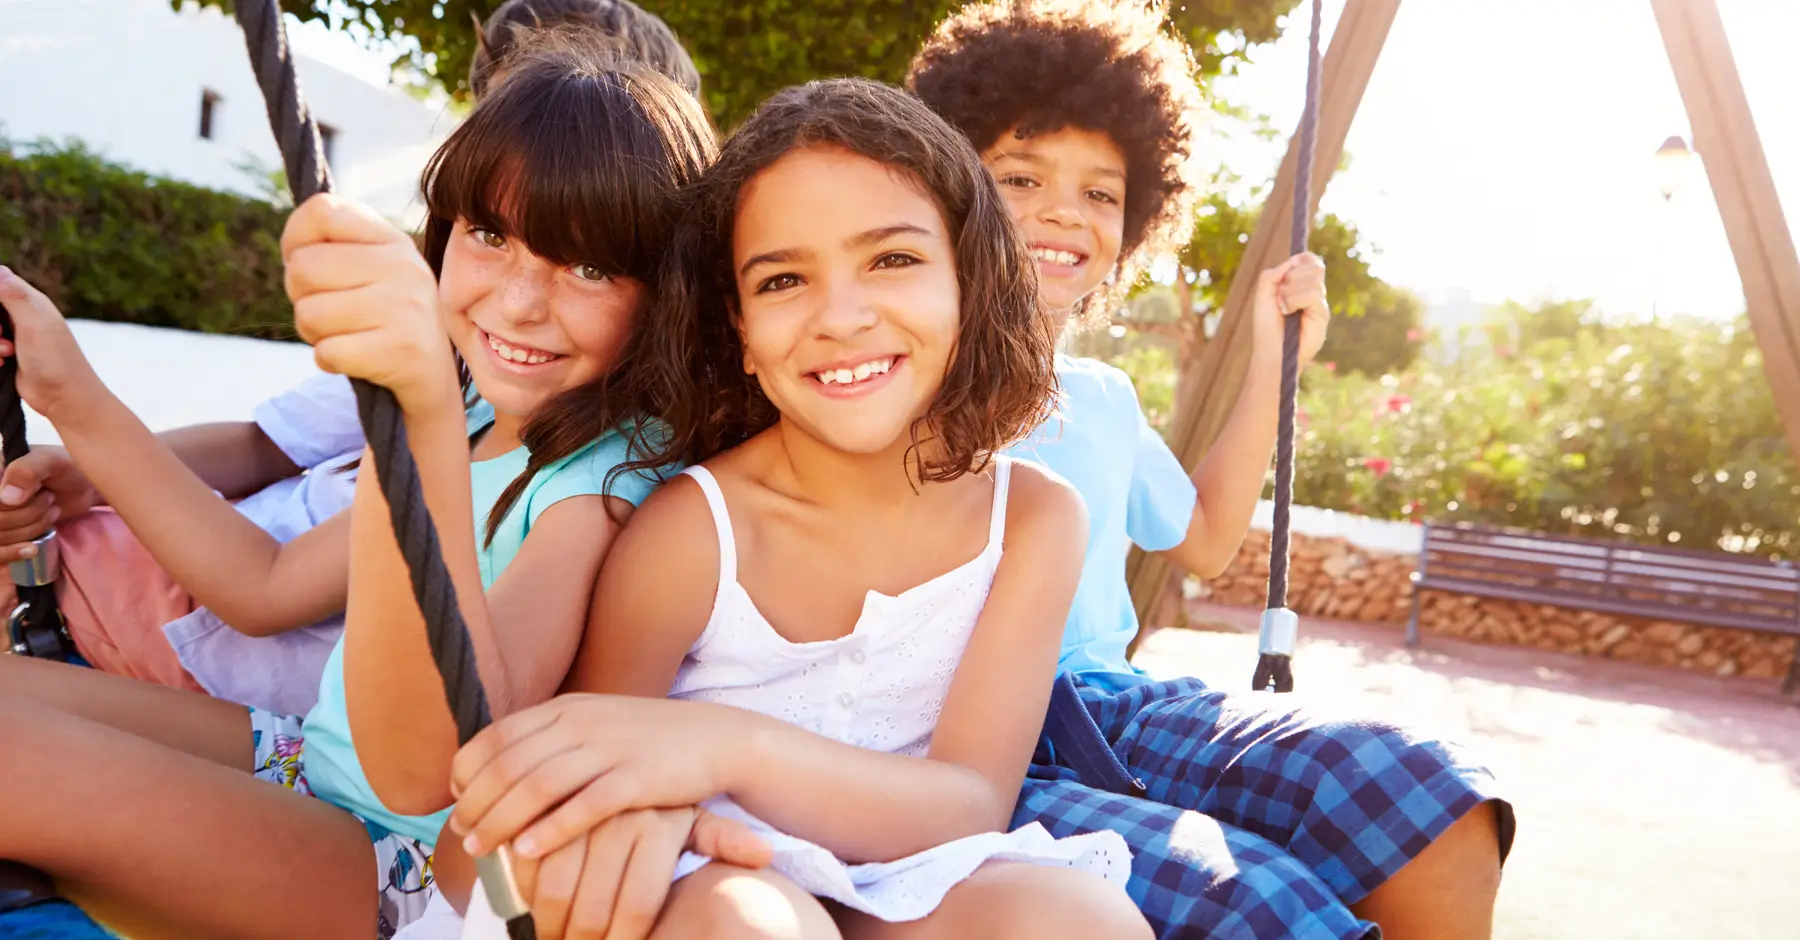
point(1049, 903)
point(730, 903)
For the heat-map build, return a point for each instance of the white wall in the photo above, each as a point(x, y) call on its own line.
point(126, 77)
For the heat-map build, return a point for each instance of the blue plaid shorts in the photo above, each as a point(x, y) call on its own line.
point(1258, 820)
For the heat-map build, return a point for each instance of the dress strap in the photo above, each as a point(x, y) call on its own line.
point(997, 517)
point(715, 499)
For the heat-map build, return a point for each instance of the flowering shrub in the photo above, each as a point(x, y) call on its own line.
point(1663, 433)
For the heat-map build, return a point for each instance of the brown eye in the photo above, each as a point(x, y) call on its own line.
point(1016, 180)
point(589, 272)
point(488, 236)
point(895, 259)
point(779, 282)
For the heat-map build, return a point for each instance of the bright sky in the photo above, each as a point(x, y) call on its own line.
point(1504, 146)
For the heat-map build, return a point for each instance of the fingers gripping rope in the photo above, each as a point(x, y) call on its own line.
point(302, 154)
point(35, 626)
point(1274, 662)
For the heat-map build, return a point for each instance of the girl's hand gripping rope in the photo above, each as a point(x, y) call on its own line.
point(55, 377)
point(1296, 287)
point(367, 302)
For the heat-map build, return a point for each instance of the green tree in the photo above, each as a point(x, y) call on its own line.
point(1375, 326)
point(1522, 327)
point(749, 49)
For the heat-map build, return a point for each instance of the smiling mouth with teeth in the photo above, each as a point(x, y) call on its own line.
point(1058, 256)
point(521, 354)
point(861, 372)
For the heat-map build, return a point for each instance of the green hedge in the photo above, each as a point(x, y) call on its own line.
point(111, 243)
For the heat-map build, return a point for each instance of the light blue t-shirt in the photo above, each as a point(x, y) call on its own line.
point(1136, 493)
point(329, 760)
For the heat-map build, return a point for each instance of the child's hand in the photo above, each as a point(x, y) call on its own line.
point(367, 302)
point(54, 375)
point(1294, 287)
point(613, 883)
point(35, 491)
point(544, 776)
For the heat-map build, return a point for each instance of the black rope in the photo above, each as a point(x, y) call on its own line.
point(1274, 669)
point(40, 631)
point(303, 155)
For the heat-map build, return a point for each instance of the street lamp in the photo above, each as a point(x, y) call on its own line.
point(1672, 160)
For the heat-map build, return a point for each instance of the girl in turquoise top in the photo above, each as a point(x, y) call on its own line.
point(548, 210)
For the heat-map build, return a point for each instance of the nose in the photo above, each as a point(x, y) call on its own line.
point(848, 309)
point(524, 296)
point(1062, 209)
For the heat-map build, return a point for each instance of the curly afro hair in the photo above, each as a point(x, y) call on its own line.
point(1039, 66)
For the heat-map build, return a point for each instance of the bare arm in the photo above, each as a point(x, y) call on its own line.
point(1229, 479)
point(525, 629)
point(251, 581)
point(861, 804)
point(235, 458)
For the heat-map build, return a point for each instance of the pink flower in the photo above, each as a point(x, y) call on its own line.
point(1329, 366)
point(1397, 403)
point(1380, 465)
point(1412, 335)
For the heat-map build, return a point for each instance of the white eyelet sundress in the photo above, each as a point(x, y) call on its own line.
point(882, 687)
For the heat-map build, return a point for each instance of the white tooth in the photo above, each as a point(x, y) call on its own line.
point(827, 378)
point(520, 355)
point(862, 371)
point(845, 377)
point(880, 366)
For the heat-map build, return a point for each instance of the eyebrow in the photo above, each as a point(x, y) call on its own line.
point(873, 236)
point(1029, 157)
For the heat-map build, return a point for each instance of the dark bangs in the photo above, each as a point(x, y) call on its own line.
point(575, 157)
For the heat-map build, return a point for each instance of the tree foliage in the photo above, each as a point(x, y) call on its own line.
point(1375, 326)
point(749, 49)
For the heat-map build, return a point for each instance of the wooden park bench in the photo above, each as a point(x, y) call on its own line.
point(1710, 588)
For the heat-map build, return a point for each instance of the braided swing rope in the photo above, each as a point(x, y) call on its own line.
point(302, 154)
point(1274, 669)
point(36, 612)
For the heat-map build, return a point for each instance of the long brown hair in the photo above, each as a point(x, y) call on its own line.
point(1000, 381)
point(578, 156)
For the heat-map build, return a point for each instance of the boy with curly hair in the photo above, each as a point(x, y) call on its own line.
point(1247, 819)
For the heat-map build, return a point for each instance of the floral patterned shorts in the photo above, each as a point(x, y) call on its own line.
point(402, 865)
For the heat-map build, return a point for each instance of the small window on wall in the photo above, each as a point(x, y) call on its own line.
point(328, 138)
point(209, 113)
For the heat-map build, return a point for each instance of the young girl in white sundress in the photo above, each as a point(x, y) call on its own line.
point(855, 609)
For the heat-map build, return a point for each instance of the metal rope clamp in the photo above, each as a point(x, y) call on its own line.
point(31, 631)
point(1280, 628)
point(42, 568)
